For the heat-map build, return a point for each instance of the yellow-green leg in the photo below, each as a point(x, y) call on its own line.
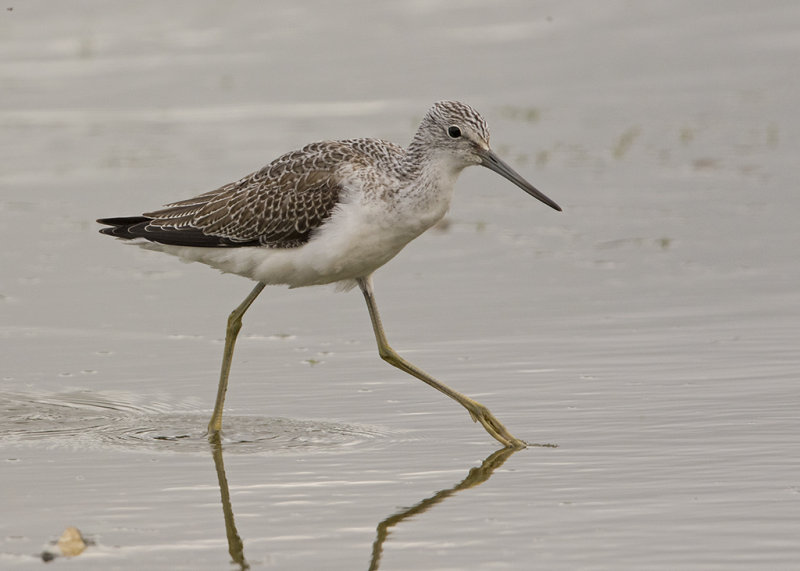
point(234, 325)
point(477, 411)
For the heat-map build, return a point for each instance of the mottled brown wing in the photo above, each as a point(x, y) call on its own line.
point(277, 206)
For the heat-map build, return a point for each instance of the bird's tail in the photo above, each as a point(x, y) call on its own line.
point(127, 227)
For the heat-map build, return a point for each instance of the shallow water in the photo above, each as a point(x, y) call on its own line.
point(650, 331)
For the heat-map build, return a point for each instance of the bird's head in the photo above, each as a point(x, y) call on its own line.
point(456, 134)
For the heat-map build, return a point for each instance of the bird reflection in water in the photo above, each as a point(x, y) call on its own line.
point(235, 544)
point(476, 476)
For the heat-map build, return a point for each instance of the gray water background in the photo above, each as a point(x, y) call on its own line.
point(651, 330)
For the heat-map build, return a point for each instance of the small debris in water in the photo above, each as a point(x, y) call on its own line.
point(70, 544)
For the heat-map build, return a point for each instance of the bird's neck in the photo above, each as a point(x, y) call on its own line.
point(429, 182)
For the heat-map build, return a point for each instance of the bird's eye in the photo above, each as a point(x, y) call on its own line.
point(454, 132)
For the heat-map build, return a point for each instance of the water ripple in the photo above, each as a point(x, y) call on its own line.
point(86, 419)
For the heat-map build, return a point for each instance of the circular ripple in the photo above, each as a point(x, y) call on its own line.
point(85, 419)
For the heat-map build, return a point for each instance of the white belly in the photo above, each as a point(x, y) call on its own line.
point(356, 241)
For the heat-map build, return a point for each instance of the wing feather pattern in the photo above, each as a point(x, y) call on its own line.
point(279, 206)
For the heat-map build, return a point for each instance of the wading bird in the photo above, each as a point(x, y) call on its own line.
point(331, 212)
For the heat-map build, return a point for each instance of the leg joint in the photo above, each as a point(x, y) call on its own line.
point(234, 322)
point(387, 354)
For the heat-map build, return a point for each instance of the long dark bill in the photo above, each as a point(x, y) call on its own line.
point(495, 163)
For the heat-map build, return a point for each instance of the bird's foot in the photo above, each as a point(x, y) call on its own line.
point(494, 427)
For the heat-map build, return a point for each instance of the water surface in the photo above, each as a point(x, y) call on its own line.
point(650, 330)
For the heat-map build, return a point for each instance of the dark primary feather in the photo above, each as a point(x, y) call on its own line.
point(278, 206)
point(139, 227)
